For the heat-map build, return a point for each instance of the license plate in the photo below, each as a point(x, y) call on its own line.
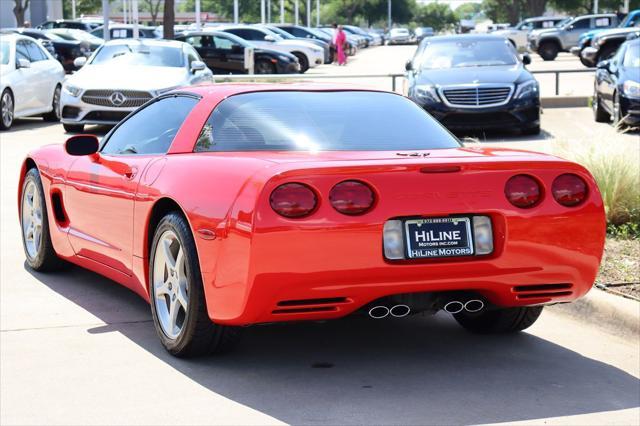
point(438, 237)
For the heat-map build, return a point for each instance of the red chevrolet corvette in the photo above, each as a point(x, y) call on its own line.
point(232, 205)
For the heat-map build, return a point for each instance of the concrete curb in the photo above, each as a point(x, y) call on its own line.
point(565, 101)
point(615, 314)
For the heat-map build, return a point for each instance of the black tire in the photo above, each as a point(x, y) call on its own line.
point(199, 335)
point(54, 115)
point(509, 320)
point(599, 113)
point(265, 67)
point(7, 110)
point(548, 50)
point(73, 128)
point(46, 258)
point(531, 131)
point(304, 62)
point(584, 62)
point(618, 114)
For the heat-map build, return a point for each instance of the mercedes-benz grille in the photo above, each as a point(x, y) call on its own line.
point(477, 96)
point(116, 98)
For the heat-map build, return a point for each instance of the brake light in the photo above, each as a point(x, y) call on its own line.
point(293, 200)
point(569, 190)
point(352, 197)
point(523, 191)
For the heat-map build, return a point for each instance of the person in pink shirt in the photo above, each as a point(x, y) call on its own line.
point(339, 40)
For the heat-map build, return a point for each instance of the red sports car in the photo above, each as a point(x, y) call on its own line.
point(231, 205)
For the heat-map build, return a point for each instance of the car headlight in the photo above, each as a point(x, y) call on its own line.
point(631, 89)
point(527, 89)
point(284, 58)
point(72, 90)
point(427, 92)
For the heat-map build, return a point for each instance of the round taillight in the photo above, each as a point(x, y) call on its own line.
point(293, 200)
point(569, 190)
point(523, 191)
point(352, 197)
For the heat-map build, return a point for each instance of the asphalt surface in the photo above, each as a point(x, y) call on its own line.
point(76, 348)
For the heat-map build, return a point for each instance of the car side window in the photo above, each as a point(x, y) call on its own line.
point(150, 130)
point(581, 24)
point(35, 53)
point(192, 55)
point(21, 51)
point(602, 22)
point(223, 43)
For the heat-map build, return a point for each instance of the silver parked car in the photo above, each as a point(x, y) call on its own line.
point(124, 74)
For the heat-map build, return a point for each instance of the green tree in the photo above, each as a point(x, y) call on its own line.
point(436, 15)
point(467, 10)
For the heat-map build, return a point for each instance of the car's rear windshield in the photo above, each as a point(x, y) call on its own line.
point(321, 121)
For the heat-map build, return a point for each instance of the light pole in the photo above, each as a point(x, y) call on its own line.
point(134, 18)
point(124, 11)
point(282, 11)
point(262, 12)
point(389, 14)
point(595, 6)
point(269, 11)
point(308, 13)
point(295, 12)
point(105, 19)
point(317, 13)
point(236, 18)
point(198, 24)
point(73, 9)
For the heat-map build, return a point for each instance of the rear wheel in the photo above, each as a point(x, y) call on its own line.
point(178, 303)
point(34, 224)
point(73, 128)
point(54, 115)
point(599, 113)
point(548, 50)
point(508, 320)
point(6, 110)
point(304, 62)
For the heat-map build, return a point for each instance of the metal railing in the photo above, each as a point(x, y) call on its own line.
point(393, 77)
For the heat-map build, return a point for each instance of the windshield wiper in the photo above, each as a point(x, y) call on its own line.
point(129, 149)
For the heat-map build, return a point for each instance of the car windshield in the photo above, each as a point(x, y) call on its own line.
point(282, 33)
point(52, 36)
point(78, 35)
point(5, 48)
point(234, 38)
point(321, 121)
point(632, 56)
point(139, 55)
point(460, 54)
point(399, 31)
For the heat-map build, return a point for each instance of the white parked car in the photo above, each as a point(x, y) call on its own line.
point(30, 80)
point(124, 74)
point(518, 35)
point(399, 36)
point(308, 54)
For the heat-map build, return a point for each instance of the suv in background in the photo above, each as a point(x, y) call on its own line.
point(518, 35)
point(65, 23)
point(549, 43)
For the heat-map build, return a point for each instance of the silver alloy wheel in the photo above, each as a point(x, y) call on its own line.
point(7, 109)
point(32, 219)
point(170, 285)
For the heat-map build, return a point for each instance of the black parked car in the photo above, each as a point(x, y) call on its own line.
point(66, 23)
point(616, 94)
point(475, 82)
point(66, 51)
point(224, 52)
point(605, 44)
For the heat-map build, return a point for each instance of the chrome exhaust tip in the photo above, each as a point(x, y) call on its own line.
point(474, 305)
point(454, 307)
point(378, 312)
point(399, 311)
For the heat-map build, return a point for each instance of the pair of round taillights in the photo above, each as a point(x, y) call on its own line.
point(525, 191)
point(295, 200)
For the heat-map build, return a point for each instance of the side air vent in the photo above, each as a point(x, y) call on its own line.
point(58, 209)
point(542, 291)
point(307, 302)
point(305, 310)
point(309, 306)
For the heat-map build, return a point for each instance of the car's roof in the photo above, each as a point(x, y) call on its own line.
point(14, 36)
point(222, 90)
point(545, 18)
point(464, 37)
point(145, 41)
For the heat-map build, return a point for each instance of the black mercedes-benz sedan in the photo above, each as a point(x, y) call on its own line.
point(617, 87)
point(224, 53)
point(474, 82)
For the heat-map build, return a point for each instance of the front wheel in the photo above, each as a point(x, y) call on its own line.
point(265, 67)
point(618, 114)
point(507, 320)
point(178, 303)
point(599, 113)
point(6, 110)
point(548, 50)
point(54, 115)
point(304, 62)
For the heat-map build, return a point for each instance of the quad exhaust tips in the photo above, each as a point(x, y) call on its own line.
point(456, 306)
point(398, 311)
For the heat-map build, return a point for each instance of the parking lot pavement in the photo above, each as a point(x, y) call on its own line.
point(76, 348)
point(391, 60)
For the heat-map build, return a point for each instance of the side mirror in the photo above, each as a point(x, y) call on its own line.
point(82, 145)
point(526, 59)
point(408, 65)
point(79, 62)
point(23, 63)
point(236, 48)
point(197, 66)
point(269, 38)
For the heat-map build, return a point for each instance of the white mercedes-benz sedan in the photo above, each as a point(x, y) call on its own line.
point(124, 74)
point(30, 80)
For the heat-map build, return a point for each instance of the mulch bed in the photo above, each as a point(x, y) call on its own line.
point(620, 268)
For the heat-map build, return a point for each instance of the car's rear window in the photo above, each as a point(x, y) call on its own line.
point(321, 121)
